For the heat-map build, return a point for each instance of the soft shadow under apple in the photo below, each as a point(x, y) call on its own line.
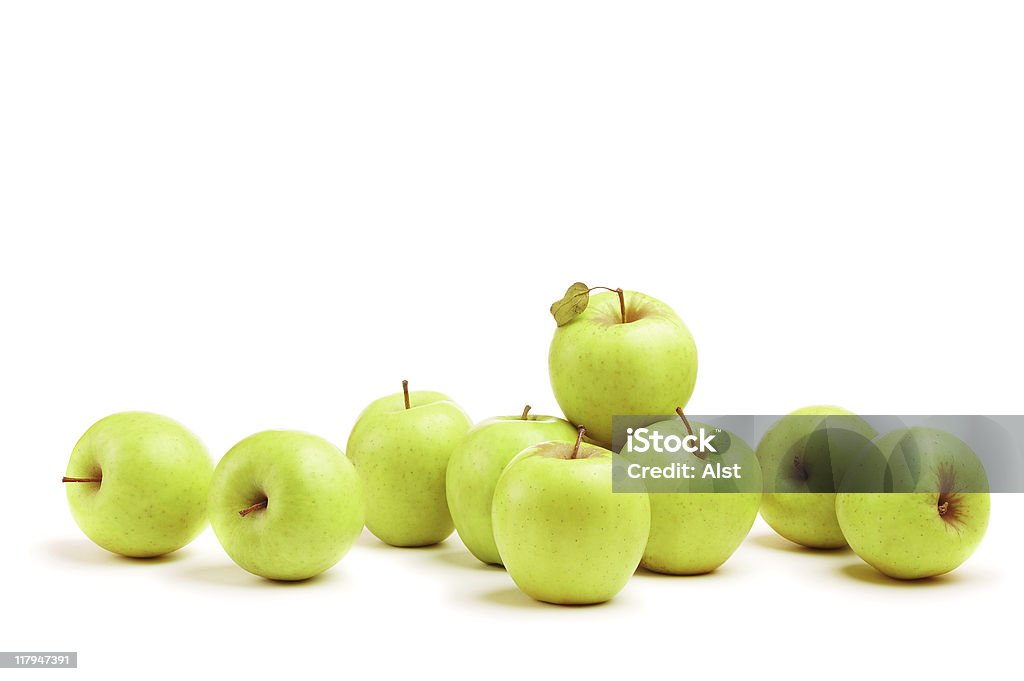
point(777, 543)
point(369, 541)
point(464, 559)
point(229, 574)
point(863, 572)
point(717, 573)
point(511, 597)
point(84, 552)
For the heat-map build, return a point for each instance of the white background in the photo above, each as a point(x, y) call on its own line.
point(249, 215)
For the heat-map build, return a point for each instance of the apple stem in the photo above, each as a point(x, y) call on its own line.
point(66, 479)
point(686, 422)
point(622, 298)
point(579, 440)
point(943, 507)
point(255, 507)
point(679, 410)
point(405, 391)
point(525, 412)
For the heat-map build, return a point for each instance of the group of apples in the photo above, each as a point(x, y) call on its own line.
point(530, 492)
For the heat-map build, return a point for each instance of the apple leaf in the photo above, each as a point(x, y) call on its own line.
point(572, 304)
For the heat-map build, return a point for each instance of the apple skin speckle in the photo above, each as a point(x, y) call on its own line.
point(314, 509)
point(937, 514)
point(152, 498)
point(903, 536)
point(562, 533)
point(402, 457)
point(602, 368)
point(476, 465)
point(802, 515)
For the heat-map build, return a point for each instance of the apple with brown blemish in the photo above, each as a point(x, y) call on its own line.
point(931, 514)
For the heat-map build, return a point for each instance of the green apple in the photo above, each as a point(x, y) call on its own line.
point(401, 445)
point(698, 522)
point(621, 356)
point(565, 537)
point(803, 458)
point(137, 484)
point(286, 505)
point(933, 513)
point(477, 463)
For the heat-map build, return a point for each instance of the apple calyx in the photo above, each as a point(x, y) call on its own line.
point(255, 507)
point(576, 299)
point(686, 422)
point(949, 508)
point(579, 440)
point(526, 412)
point(67, 479)
point(948, 503)
point(405, 392)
